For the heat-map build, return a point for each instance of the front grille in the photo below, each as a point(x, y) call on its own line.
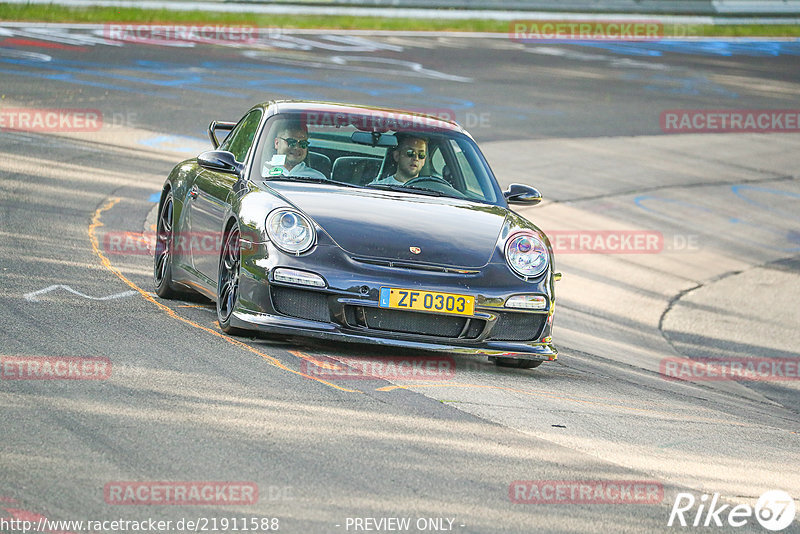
point(300, 303)
point(408, 322)
point(415, 266)
point(513, 326)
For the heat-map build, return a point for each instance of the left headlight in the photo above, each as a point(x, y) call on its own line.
point(526, 254)
point(290, 231)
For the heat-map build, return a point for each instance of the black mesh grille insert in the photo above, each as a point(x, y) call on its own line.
point(512, 326)
point(301, 303)
point(407, 322)
point(476, 327)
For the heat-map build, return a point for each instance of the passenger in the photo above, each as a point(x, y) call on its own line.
point(409, 155)
point(291, 150)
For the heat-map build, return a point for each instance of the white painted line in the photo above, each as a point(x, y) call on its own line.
point(34, 295)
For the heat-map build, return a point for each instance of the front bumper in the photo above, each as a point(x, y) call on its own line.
point(347, 308)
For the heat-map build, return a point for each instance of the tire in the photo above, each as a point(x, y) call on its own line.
point(228, 281)
point(516, 363)
point(162, 260)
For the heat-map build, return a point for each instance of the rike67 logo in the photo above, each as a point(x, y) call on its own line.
point(774, 510)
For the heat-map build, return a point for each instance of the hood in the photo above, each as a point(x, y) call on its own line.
point(386, 224)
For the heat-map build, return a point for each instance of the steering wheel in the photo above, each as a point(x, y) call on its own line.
point(437, 179)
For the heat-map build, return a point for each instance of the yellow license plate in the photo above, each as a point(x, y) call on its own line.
point(429, 301)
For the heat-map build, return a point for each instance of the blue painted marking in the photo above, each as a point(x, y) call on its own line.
point(694, 85)
point(697, 85)
point(71, 79)
point(87, 68)
point(246, 69)
point(737, 190)
point(384, 302)
point(704, 47)
point(623, 48)
point(155, 197)
point(236, 81)
point(456, 104)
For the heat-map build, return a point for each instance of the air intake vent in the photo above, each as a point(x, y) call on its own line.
point(300, 303)
point(407, 322)
point(512, 326)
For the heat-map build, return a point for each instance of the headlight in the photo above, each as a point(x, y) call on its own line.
point(290, 231)
point(526, 254)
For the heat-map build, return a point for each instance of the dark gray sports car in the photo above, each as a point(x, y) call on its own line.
point(358, 224)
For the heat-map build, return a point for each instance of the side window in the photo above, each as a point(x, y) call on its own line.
point(239, 140)
point(437, 162)
point(471, 181)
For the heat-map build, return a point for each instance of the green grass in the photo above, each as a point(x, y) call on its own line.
point(752, 30)
point(100, 15)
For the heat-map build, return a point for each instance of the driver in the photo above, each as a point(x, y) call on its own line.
point(410, 157)
point(291, 149)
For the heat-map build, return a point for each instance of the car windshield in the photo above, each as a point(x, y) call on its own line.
point(380, 150)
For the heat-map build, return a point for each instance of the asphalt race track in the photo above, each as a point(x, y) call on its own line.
point(186, 404)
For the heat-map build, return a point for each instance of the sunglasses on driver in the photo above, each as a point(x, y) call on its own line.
point(413, 153)
point(292, 142)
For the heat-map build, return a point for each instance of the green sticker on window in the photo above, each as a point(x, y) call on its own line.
point(275, 171)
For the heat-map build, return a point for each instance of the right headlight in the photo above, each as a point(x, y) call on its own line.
point(526, 254)
point(290, 231)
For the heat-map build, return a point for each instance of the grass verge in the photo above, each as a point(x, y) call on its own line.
point(101, 15)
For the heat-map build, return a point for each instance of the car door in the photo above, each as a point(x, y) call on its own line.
point(210, 201)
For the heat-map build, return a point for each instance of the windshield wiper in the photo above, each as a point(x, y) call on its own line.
point(305, 179)
point(408, 189)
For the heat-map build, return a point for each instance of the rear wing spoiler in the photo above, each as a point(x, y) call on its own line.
point(218, 125)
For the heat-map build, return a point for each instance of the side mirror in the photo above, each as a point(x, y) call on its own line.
point(221, 161)
point(522, 194)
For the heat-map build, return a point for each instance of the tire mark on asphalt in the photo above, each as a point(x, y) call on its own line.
point(655, 188)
